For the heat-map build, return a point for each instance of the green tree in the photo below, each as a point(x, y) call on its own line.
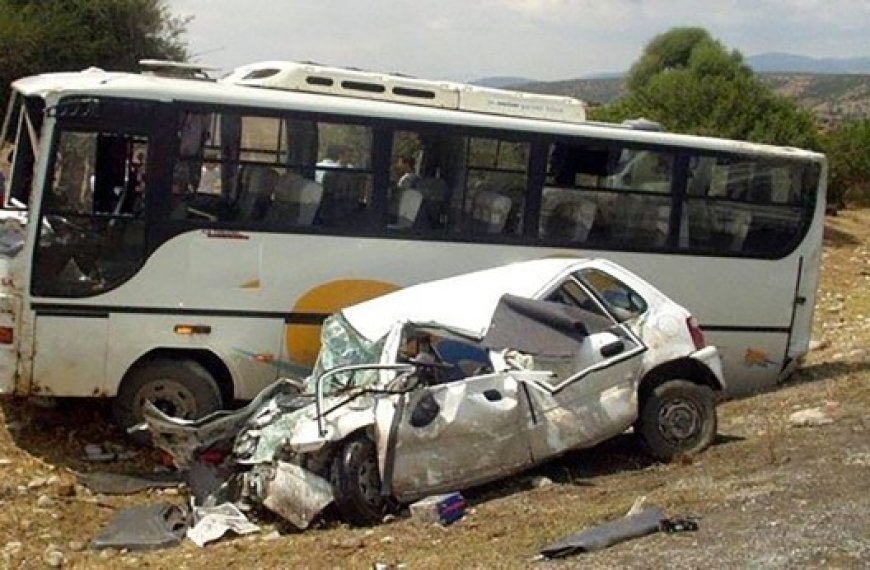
point(690, 83)
point(848, 150)
point(38, 36)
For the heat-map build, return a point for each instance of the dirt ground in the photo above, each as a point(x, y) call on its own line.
point(767, 494)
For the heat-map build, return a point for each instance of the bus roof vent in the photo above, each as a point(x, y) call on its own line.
point(641, 124)
point(165, 68)
point(313, 78)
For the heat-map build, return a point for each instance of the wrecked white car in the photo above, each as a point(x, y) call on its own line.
point(457, 382)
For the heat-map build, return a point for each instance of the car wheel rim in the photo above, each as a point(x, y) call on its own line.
point(680, 421)
point(369, 482)
point(169, 397)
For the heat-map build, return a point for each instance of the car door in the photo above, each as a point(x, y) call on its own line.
point(458, 434)
point(589, 395)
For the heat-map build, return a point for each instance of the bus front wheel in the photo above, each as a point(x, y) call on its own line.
point(178, 387)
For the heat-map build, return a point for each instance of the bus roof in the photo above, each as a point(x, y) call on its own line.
point(96, 82)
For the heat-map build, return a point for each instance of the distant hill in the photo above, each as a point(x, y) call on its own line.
point(500, 82)
point(593, 91)
point(831, 97)
point(774, 62)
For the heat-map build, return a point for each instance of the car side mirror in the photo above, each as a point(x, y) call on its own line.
point(612, 348)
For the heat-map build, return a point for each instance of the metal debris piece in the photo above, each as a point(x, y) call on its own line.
point(294, 493)
point(607, 534)
point(148, 527)
point(128, 483)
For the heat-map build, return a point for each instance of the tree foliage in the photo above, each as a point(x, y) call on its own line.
point(689, 82)
point(848, 150)
point(39, 36)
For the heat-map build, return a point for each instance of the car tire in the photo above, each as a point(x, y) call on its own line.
point(677, 417)
point(356, 483)
point(179, 387)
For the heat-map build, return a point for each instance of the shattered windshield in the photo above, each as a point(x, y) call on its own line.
point(341, 345)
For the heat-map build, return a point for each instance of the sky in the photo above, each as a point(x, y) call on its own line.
point(538, 39)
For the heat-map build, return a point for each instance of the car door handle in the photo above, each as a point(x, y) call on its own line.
point(492, 395)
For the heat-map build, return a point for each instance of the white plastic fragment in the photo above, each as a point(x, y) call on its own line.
point(810, 417)
point(213, 522)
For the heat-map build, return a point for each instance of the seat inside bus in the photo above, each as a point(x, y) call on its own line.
point(489, 212)
point(258, 185)
point(295, 201)
point(408, 207)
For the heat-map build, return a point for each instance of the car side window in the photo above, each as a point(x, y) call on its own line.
point(621, 300)
point(571, 293)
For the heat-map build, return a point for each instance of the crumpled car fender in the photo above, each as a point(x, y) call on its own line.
point(182, 438)
point(339, 424)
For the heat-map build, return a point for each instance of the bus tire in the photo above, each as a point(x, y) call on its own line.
point(678, 417)
point(179, 387)
point(356, 483)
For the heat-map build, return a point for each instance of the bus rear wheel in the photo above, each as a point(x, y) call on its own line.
point(180, 388)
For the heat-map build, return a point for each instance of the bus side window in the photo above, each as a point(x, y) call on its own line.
point(343, 172)
point(751, 205)
point(495, 186)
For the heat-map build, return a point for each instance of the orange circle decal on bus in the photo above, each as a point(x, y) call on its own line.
point(303, 340)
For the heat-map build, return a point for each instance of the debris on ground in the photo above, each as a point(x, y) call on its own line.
point(144, 527)
point(606, 534)
point(105, 452)
point(128, 483)
point(811, 417)
point(442, 509)
point(214, 522)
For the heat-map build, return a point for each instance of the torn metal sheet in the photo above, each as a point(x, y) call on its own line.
point(149, 527)
point(541, 327)
point(291, 492)
point(641, 524)
point(184, 439)
point(214, 522)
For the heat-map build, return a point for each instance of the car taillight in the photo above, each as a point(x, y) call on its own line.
point(696, 332)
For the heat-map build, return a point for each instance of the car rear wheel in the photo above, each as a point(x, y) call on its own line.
point(356, 483)
point(677, 418)
point(179, 388)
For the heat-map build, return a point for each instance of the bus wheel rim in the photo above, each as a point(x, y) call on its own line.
point(170, 398)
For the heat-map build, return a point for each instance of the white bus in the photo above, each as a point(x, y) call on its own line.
point(184, 239)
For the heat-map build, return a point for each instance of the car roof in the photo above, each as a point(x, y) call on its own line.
point(464, 303)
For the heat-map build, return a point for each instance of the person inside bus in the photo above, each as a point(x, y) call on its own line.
point(180, 195)
point(194, 133)
point(405, 167)
point(210, 174)
point(336, 157)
